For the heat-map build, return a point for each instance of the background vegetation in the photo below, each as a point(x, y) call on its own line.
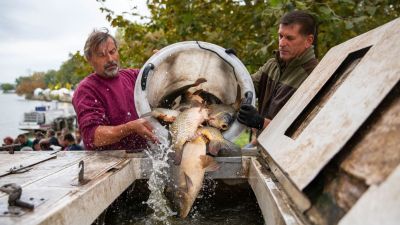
point(248, 26)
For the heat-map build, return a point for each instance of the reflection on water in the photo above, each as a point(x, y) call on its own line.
point(218, 204)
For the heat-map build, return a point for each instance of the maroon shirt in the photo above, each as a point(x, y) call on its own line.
point(100, 101)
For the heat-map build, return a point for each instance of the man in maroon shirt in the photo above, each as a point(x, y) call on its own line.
point(104, 101)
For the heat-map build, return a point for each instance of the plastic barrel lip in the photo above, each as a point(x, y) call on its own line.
point(143, 87)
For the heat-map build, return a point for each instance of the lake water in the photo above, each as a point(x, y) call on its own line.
point(12, 111)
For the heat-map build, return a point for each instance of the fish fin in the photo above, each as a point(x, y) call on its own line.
point(178, 157)
point(189, 182)
point(208, 163)
point(199, 81)
point(166, 118)
point(168, 100)
point(214, 147)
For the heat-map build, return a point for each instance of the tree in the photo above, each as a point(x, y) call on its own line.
point(248, 26)
point(26, 85)
point(6, 87)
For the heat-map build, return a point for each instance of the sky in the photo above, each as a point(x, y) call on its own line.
point(38, 35)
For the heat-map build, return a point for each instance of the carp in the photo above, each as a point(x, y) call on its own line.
point(166, 115)
point(184, 129)
point(187, 179)
point(189, 100)
point(217, 144)
point(222, 116)
point(168, 100)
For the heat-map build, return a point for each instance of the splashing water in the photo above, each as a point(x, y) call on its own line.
point(158, 153)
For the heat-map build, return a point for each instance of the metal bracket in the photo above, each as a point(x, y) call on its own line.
point(81, 178)
point(17, 206)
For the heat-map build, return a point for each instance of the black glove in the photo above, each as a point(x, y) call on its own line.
point(249, 116)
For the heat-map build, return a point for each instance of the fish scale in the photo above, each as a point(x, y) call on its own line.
point(184, 128)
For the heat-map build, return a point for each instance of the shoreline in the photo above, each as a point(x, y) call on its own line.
point(66, 99)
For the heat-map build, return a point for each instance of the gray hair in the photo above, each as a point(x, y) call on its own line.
point(94, 40)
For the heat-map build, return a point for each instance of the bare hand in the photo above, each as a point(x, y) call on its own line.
point(143, 128)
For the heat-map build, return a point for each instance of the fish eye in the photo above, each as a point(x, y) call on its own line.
point(228, 118)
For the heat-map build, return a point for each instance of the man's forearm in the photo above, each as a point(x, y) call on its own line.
point(106, 135)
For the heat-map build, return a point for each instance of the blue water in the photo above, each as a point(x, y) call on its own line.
point(12, 108)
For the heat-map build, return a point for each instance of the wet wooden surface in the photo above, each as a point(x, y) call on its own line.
point(302, 158)
point(64, 200)
point(60, 199)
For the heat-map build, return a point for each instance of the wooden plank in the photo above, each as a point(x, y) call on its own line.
point(376, 154)
point(44, 169)
point(273, 202)
point(18, 159)
point(379, 205)
point(69, 204)
point(298, 197)
point(356, 98)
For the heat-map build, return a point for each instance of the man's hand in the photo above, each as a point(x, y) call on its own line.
point(143, 128)
point(249, 116)
point(106, 135)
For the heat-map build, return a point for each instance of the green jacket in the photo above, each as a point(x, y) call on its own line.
point(275, 82)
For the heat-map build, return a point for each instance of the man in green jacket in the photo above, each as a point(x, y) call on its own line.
point(277, 80)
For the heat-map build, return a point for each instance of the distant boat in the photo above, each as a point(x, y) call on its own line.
point(45, 117)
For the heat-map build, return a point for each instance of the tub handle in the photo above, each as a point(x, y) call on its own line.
point(230, 51)
point(145, 74)
point(248, 97)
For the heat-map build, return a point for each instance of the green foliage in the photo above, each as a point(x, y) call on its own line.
point(6, 87)
point(248, 26)
point(72, 71)
point(243, 139)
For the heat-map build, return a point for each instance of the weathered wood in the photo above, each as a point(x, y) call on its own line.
point(109, 173)
point(377, 151)
point(346, 110)
point(274, 204)
point(69, 204)
point(298, 197)
point(42, 170)
point(379, 205)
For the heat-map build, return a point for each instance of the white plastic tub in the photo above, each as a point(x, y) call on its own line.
point(183, 63)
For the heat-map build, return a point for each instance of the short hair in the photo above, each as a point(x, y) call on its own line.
point(39, 134)
point(51, 132)
point(305, 20)
point(68, 137)
point(94, 40)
